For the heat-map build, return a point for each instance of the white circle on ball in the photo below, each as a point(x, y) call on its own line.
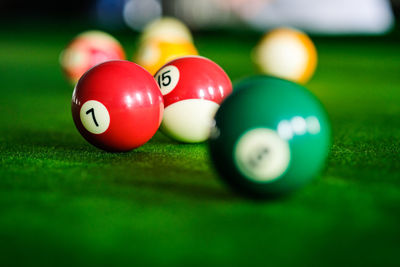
point(95, 117)
point(167, 79)
point(262, 155)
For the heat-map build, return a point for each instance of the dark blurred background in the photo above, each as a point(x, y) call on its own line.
point(79, 8)
point(314, 16)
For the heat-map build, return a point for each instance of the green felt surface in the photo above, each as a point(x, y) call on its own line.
point(64, 202)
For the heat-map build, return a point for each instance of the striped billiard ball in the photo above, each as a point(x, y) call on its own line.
point(193, 88)
point(156, 52)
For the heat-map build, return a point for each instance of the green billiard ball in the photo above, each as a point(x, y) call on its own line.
point(271, 136)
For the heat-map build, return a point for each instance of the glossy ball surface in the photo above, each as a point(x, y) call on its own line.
point(117, 106)
point(193, 88)
point(286, 53)
point(154, 53)
point(271, 137)
point(87, 50)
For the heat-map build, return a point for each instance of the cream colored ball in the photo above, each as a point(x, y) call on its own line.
point(286, 53)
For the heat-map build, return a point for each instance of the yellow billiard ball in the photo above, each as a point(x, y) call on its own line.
point(166, 28)
point(154, 53)
point(286, 53)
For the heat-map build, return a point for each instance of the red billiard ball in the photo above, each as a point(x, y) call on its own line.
point(193, 87)
point(117, 106)
point(87, 50)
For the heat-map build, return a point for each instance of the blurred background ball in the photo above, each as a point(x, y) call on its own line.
point(87, 50)
point(286, 53)
point(271, 136)
point(154, 53)
point(168, 29)
point(138, 13)
point(109, 13)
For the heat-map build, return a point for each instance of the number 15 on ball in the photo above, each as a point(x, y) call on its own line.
point(193, 87)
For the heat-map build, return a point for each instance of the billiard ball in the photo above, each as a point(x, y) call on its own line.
point(271, 136)
point(286, 53)
point(167, 29)
point(193, 88)
point(154, 53)
point(87, 50)
point(117, 106)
